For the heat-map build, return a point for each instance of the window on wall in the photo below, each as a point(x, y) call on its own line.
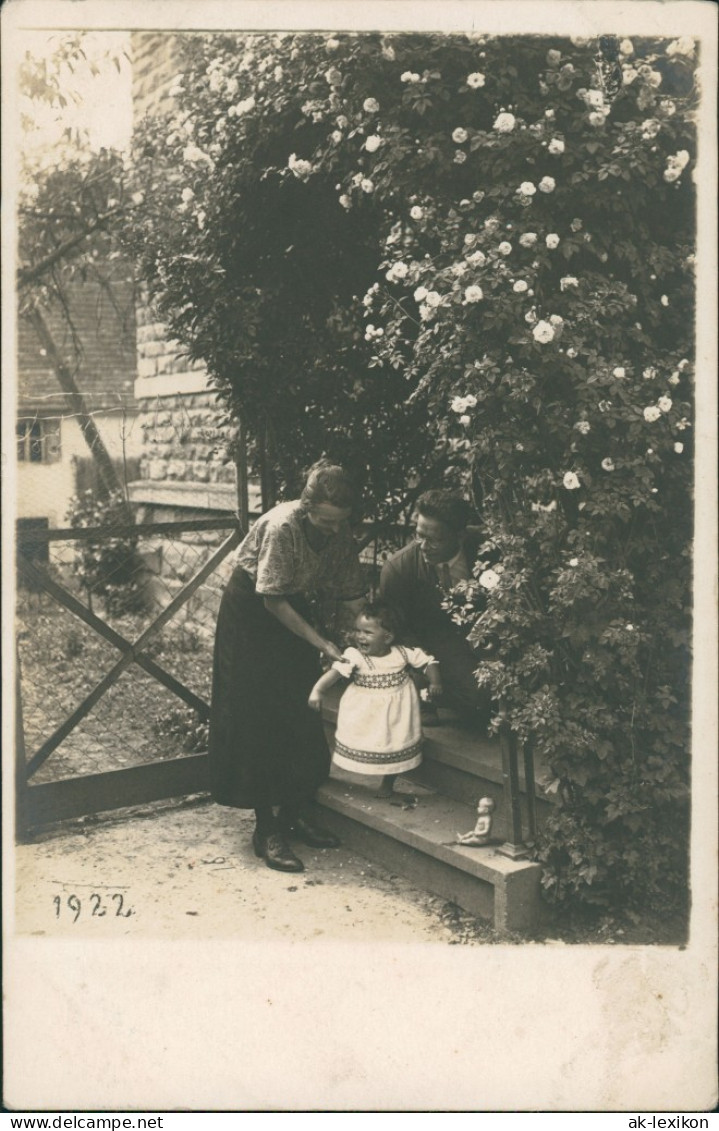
point(38, 440)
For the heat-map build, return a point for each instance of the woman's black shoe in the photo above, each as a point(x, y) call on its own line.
point(309, 833)
point(276, 852)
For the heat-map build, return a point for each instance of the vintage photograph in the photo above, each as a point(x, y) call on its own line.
point(355, 378)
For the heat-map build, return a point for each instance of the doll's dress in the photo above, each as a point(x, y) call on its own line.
point(379, 729)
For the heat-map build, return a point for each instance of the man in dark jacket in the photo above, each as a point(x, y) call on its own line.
point(415, 580)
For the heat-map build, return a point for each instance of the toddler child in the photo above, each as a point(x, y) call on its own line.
point(379, 729)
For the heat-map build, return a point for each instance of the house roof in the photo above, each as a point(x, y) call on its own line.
point(101, 353)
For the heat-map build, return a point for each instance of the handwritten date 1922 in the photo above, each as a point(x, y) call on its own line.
point(96, 906)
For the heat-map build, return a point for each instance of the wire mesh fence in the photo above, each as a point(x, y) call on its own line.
point(85, 598)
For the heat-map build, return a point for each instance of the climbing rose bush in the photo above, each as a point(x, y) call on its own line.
point(470, 260)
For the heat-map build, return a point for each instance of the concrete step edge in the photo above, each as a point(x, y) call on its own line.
point(441, 819)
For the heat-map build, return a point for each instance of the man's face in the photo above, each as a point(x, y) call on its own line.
point(437, 541)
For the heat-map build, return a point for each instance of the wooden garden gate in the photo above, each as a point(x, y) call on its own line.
point(39, 804)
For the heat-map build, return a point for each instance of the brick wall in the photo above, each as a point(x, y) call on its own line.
point(181, 440)
point(182, 443)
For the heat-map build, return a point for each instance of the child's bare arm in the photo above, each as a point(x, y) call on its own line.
point(434, 680)
point(323, 684)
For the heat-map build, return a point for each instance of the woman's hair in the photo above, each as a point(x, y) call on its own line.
point(446, 507)
point(384, 614)
point(328, 483)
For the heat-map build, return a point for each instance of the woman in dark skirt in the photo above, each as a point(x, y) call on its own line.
point(267, 748)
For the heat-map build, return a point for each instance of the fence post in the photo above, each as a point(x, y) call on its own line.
point(531, 795)
point(21, 816)
point(514, 846)
point(243, 491)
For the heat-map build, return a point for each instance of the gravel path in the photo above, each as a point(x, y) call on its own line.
point(189, 872)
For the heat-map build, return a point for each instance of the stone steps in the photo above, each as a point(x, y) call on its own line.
point(420, 839)
point(420, 842)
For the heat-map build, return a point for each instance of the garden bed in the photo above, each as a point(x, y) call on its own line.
point(137, 720)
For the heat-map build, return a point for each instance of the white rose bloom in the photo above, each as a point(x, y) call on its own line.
point(459, 269)
point(649, 372)
point(409, 76)
point(556, 146)
point(683, 46)
point(655, 78)
point(620, 371)
point(187, 195)
point(192, 154)
point(336, 136)
point(556, 320)
point(531, 316)
point(373, 143)
point(553, 57)
point(473, 294)
point(526, 189)
point(397, 271)
point(626, 47)
point(570, 481)
point(528, 239)
point(342, 122)
point(420, 294)
point(416, 213)
point(672, 174)
point(608, 464)
point(628, 75)
point(477, 258)
point(301, 169)
point(596, 118)
point(471, 400)
point(489, 579)
point(595, 99)
point(683, 363)
point(543, 332)
point(674, 379)
point(568, 281)
point(678, 448)
point(552, 241)
point(667, 107)
point(370, 105)
point(345, 201)
point(433, 299)
point(520, 287)
point(459, 404)
point(664, 300)
point(505, 248)
point(367, 185)
point(574, 562)
point(460, 157)
point(665, 403)
point(459, 136)
point(652, 413)
point(475, 80)
point(547, 184)
point(583, 426)
point(571, 352)
point(504, 123)
point(464, 419)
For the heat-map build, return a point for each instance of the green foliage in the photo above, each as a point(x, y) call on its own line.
point(470, 260)
point(108, 567)
point(183, 723)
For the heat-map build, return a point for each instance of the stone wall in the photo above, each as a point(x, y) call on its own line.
point(184, 468)
point(181, 440)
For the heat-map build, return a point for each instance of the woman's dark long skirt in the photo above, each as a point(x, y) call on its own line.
point(266, 746)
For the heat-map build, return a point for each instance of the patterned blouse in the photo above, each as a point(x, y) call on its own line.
point(281, 562)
